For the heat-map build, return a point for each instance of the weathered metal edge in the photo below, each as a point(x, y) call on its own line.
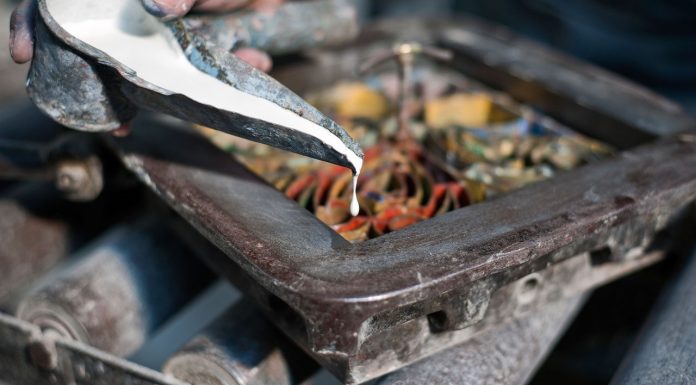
point(485, 306)
point(582, 95)
point(29, 357)
point(508, 355)
point(618, 204)
point(579, 204)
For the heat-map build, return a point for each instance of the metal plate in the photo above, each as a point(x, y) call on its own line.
point(369, 308)
point(29, 357)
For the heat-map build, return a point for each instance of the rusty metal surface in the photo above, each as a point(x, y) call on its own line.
point(29, 357)
point(575, 92)
point(291, 27)
point(62, 361)
point(346, 303)
point(123, 287)
point(29, 244)
point(507, 355)
point(666, 349)
point(583, 96)
point(39, 229)
point(369, 308)
point(84, 99)
point(241, 347)
point(366, 309)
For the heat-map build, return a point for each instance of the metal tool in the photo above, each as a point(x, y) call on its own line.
point(99, 93)
point(122, 289)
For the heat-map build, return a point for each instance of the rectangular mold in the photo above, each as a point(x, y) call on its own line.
point(425, 162)
point(368, 308)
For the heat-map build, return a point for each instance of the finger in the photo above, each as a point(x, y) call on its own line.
point(258, 59)
point(168, 9)
point(122, 131)
point(265, 5)
point(220, 5)
point(22, 31)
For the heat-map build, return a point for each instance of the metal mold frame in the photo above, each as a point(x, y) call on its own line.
point(365, 309)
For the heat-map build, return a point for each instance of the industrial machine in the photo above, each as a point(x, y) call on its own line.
point(104, 238)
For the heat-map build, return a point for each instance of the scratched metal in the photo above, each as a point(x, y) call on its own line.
point(241, 347)
point(507, 355)
point(289, 28)
point(28, 357)
point(121, 289)
point(97, 93)
point(82, 101)
point(30, 244)
point(582, 96)
point(369, 308)
point(355, 306)
point(38, 226)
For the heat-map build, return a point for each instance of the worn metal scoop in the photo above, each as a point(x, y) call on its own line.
point(97, 61)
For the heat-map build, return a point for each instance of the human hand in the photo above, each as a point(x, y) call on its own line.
point(22, 24)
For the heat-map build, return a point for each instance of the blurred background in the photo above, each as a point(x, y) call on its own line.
point(650, 42)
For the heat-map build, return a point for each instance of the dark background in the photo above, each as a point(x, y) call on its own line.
point(650, 42)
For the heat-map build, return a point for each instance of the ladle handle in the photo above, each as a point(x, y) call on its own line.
point(288, 28)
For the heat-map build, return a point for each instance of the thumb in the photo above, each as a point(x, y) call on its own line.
point(168, 9)
point(256, 58)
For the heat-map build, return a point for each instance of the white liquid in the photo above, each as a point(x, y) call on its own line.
point(127, 33)
point(354, 204)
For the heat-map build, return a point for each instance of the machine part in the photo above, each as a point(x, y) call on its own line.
point(666, 348)
point(241, 348)
point(34, 147)
point(62, 361)
point(30, 357)
point(86, 98)
point(351, 304)
point(405, 55)
point(57, 52)
point(123, 288)
point(574, 92)
point(39, 229)
point(288, 28)
point(365, 309)
point(30, 244)
point(505, 355)
point(563, 86)
point(80, 180)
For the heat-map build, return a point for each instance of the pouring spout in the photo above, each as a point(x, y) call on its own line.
point(166, 68)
